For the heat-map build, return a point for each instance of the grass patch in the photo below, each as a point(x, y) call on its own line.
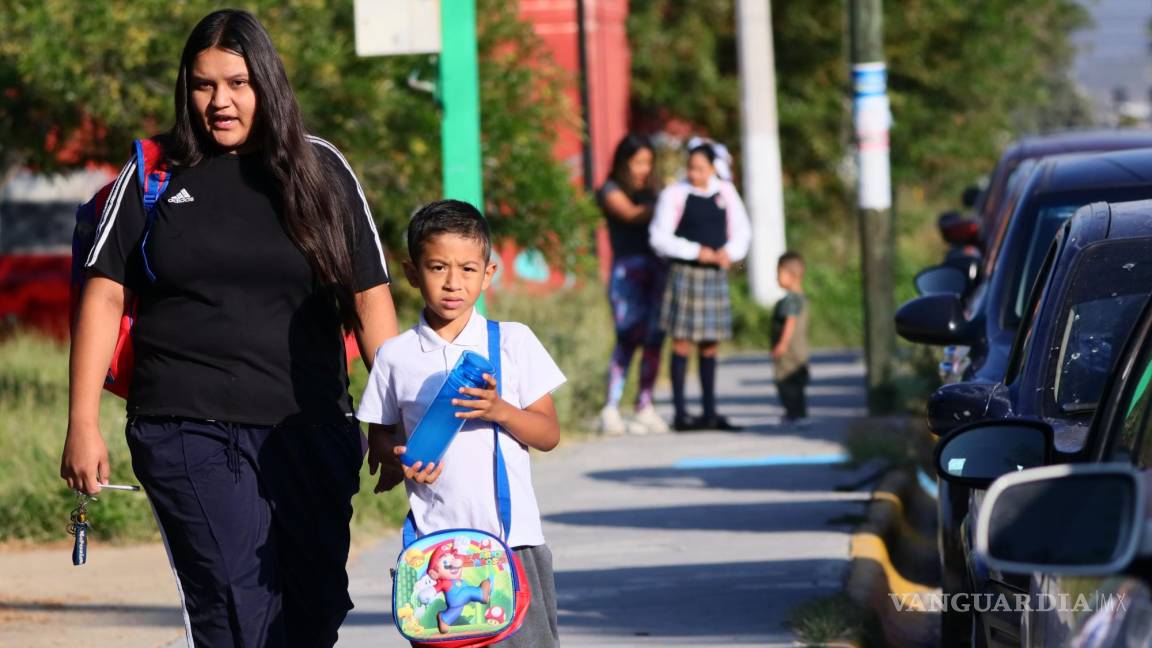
point(898, 441)
point(831, 620)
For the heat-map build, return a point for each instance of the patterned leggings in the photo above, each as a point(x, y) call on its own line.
point(635, 291)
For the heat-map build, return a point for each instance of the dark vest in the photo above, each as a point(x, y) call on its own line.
point(704, 221)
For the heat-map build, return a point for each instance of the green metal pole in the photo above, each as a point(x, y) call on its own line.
point(460, 94)
point(460, 98)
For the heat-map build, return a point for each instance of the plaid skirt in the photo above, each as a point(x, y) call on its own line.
point(696, 305)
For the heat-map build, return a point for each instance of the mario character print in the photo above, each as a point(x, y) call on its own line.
point(445, 568)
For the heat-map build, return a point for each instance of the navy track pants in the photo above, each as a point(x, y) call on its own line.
point(255, 520)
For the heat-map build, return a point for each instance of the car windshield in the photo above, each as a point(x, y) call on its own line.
point(36, 227)
point(1035, 229)
point(1109, 287)
point(1048, 222)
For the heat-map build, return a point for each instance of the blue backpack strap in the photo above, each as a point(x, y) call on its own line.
point(408, 533)
point(503, 491)
point(153, 175)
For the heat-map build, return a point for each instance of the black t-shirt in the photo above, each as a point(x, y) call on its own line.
point(627, 238)
point(233, 327)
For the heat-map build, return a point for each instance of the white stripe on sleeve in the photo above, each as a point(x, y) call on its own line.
point(360, 191)
point(111, 208)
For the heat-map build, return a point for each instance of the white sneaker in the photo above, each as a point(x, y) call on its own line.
point(611, 423)
point(651, 422)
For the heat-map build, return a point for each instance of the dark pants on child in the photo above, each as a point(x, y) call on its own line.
point(255, 520)
point(791, 391)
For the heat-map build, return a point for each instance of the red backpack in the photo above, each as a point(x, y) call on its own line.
point(153, 173)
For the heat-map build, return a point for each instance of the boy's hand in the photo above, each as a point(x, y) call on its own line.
point(778, 352)
point(381, 458)
point(418, 472)
point(486, 403)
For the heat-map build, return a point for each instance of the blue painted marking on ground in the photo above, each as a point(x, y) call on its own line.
point(927, 483)
point(775, 460)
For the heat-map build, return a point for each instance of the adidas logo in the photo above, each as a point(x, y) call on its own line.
point(182, 197)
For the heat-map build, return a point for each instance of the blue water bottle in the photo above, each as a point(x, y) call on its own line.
point(439, 425)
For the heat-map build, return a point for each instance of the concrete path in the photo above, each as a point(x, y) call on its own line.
point(703, 539)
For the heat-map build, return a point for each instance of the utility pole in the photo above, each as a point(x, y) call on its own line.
point(763, 187)
point(872, 119)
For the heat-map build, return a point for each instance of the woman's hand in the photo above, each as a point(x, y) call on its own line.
point(381, 441)
point(84, 464)
point(707, 255)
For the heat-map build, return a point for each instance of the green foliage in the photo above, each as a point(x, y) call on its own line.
point(575, 326)
point(963, 78)
point(113, 63)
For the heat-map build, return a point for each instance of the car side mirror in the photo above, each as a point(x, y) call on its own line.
point(941, 280)
point(957, 404)
point(1070, 519)
point(975, 455)
point(934, 319)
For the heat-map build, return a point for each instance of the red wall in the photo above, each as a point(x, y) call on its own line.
point(609, 77)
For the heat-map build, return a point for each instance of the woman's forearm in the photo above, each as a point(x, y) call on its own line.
point(93, 342)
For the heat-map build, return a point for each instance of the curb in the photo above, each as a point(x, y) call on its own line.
point(893, 555)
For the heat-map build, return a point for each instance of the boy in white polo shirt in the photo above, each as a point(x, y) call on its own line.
point(450, 247)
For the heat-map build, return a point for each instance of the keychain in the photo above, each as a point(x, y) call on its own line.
point(78, 524)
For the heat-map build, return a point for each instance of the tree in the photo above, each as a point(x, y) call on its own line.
point(101, 74)
point(964, 79)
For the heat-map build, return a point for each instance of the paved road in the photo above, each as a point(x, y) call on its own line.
point(704, 539)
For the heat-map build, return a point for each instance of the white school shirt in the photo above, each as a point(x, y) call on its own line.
point(406, 376)
point(670, 209)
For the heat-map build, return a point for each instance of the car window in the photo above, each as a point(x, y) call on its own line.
point(1022, 344)
point(1048, 222)
point(1108, 289)
point(998, 222)
point(1137, 409)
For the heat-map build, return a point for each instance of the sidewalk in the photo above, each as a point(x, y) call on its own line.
point(703, 539)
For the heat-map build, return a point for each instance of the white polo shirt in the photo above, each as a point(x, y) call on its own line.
point(406, 376)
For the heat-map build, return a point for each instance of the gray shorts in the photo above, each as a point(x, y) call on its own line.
point(539, 628)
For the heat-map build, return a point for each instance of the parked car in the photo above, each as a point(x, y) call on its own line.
point(1094, 281)
point(1078, 529)
point(995, 205)
point(1016, 163)
point(986, 317)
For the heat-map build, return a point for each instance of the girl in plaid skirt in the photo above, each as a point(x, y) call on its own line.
point(701, 226)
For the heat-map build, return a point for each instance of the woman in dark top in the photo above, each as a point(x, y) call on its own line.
point(701, 226)
point(636, 285)
point(258, 255)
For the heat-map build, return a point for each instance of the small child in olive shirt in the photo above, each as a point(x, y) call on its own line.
point(790, 338)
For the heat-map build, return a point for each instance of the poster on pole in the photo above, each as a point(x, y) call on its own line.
point(394, 27)
point(872, 119)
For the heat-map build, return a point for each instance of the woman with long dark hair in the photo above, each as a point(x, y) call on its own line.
point(636, 284)
point(257, 257)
